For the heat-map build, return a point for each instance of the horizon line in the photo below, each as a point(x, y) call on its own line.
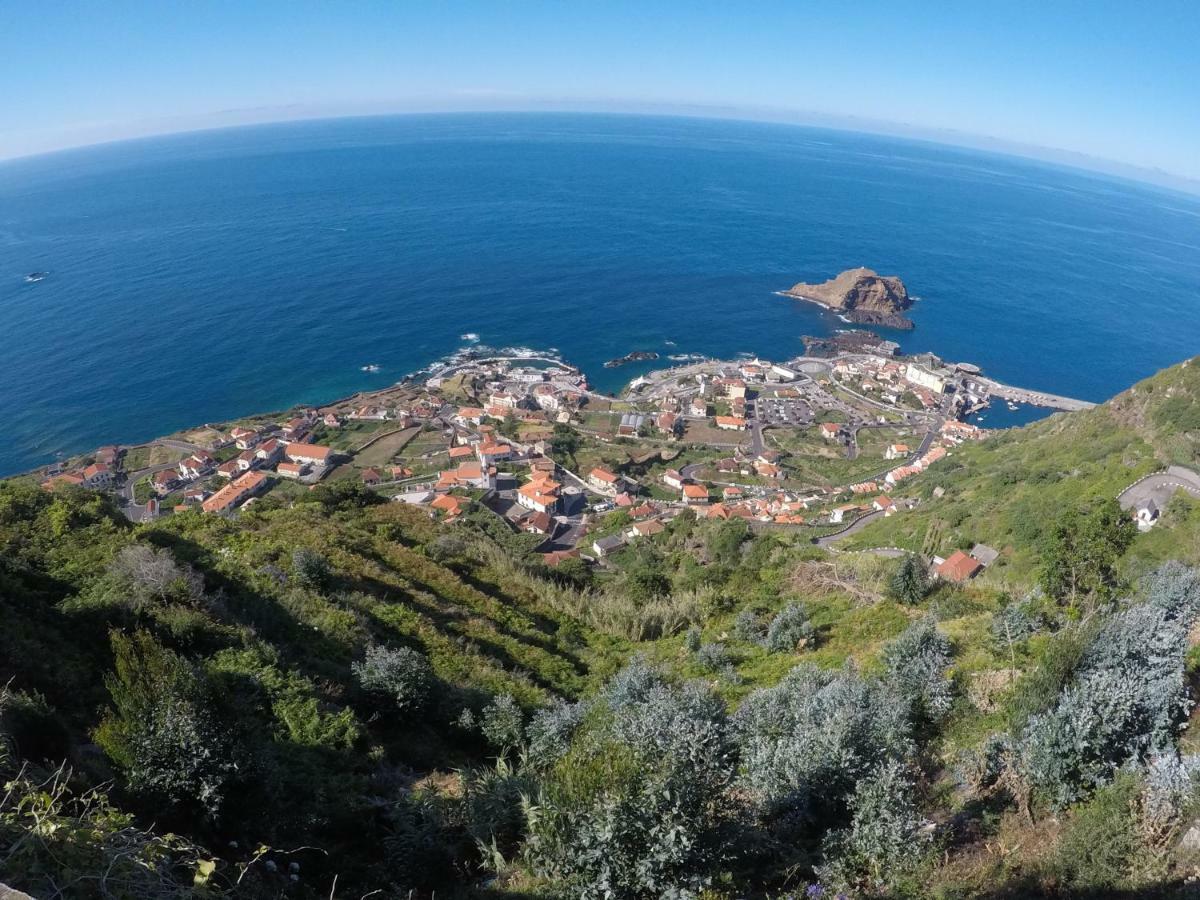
point(232, 119)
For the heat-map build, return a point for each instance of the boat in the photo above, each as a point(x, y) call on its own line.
point(470, 336)
point(370, 368)
point(1013, 406)
point(34, 277)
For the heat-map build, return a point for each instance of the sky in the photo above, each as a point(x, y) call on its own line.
point(1112, 79)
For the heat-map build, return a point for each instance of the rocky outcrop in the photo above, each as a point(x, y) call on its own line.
point(861, 296)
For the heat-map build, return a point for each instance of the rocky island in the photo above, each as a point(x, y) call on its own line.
point(861, 296)
point(635, 356)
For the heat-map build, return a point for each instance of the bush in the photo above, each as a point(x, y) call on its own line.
point(161, 731)
point(884, 839)
point(550, 731)
point(402, 674)
point(636, 808)
point(713, 657)
point(808, 740)
point(910, 583)
point(492, 800)
point(503, 723)
point(915, 665)
point(1125, 701)
point(1100, 843)
point(309, 568)
point(691, 640)
point(748, 627)
point(789, 630)
point(154, 576)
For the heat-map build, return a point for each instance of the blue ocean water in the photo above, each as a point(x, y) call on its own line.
point(195, 278)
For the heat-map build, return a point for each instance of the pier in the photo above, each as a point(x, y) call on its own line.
point(1034, 398)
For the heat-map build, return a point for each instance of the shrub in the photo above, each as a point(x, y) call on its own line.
point(748, 626)
point(161, 730)
point(503, 723)
point(1099, 844)
point(1016, 623)
point(713, 657)
point(635, 809)
point(910, 583)
point(550, 731)
point(916, 664)
point(691, 640)
point(1125, 701)
point(309, 568)
point(806, 741)
point(492, 800)
point(154, 576)
point(789, 630)
point(400, 673)
point(884, 839)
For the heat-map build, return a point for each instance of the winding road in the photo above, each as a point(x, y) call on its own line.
point(1160, 487)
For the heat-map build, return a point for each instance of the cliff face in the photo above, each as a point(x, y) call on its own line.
point(861, 295)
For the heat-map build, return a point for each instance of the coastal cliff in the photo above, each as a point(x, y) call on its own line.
point(861, 296)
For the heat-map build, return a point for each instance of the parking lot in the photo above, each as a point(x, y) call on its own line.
point(783, 411)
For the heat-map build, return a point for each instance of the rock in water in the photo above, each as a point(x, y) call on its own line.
point(861, 295)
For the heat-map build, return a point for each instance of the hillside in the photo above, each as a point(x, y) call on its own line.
point(329, 695)
point(1010, 489)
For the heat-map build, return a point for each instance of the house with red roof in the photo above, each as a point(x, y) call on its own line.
point(958, 567)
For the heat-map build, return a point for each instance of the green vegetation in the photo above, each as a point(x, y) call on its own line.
point(332, 695)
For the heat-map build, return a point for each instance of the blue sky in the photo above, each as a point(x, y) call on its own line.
point(1116, 79)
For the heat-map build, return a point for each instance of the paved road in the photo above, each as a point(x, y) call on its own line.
point(1160, 488)
point(859, 524)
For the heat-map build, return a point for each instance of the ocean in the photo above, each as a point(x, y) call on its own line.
point(198, 277)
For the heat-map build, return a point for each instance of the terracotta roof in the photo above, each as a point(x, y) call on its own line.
point(554, 558)
point(234, 492)
point(308, 451)
point(959, 567)
point(460, 452)
point(697, 491)
point(733, 421)
point(67, 478)
point(448, 504)
point(603, 475)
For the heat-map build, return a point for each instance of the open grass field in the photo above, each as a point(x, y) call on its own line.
point(386, 448)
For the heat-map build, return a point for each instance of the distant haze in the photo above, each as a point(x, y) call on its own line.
point(1077, 83)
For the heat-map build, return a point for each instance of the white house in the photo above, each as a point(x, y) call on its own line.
point(97, 476)
point(313, 454)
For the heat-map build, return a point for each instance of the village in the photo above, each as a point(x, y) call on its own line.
point(818, 445)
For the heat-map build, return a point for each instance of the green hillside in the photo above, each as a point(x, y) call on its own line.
point(1009, 490)
point(338, 696)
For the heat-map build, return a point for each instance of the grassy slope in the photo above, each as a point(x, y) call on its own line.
point(1006, 490)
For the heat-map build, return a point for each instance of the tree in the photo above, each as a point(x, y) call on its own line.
point(1080, 559)
point(910, 584)
point(565, 443)
point(402, 674)
point(509, 425)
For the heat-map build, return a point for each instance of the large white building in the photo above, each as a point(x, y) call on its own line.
point(935, 383)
